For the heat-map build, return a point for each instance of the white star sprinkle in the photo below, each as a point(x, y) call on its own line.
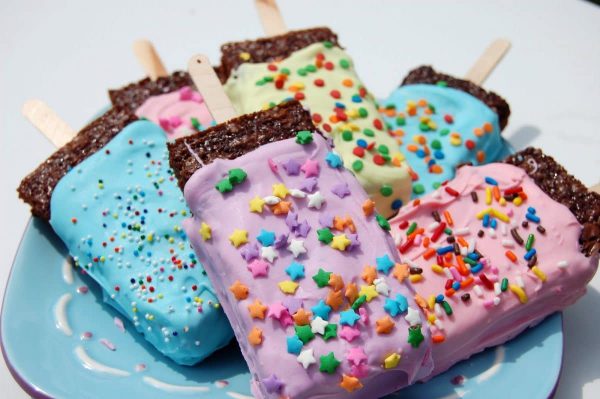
point(413, 317)
point(296, 247)
point(316, 200)
point(381, 286)
point(268, 253)
point(294, 192)
point(318, 325)
point(306, 358)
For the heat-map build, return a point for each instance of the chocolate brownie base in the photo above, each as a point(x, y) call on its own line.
point(426, 74)
point(133, 95)
point(269, 49)
point(237, 137)
point(562, 187)
point(36, 189)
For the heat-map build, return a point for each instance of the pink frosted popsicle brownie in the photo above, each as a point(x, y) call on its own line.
point(496, 250)
point(284, 232)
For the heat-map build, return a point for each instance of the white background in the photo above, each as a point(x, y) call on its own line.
point(69, 52)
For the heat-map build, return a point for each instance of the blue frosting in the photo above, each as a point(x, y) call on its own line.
point(119, 213)
point(466, 114)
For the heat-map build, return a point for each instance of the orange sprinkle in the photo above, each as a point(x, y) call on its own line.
point(255, 336)
point(427, 111)
point(435, 168)
point(438, 338)
point(412, 148)
point(448, 256)
point(333, 119)
point(412, 111)
point(450, 292)
point(523, 195)
point(426, 241)
point(396, 161)
point(480, 156)
point(368, 207)
point(487, 127)
point(349, 83)
point(369, 274)
point(421, 139)
point(417, 202)
point(478, 132)
point(462, 242)
point(511, 255)
point(415, 233)
point(466, 282)
point(429, 253)
point(419, 300)
point(422, 103)
point(496, 193)
point(413, 175)
point(462, 269)
point(448, 218)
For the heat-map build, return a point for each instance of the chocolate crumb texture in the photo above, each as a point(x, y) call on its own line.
point(237, 137)
point(36, 189)
point(562, 187)
point(426, 74)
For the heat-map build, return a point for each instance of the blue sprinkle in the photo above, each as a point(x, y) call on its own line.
point(420, 153)
point(530, 254)
point(438, 154)
point(491, 181)
point(397, 204)
point(473, 256)
point(356, 99)
point(445, 250)
point(431, 162)
point(533, 218)
point(486, 220)
point(439, 298)
point(494, 223)
point(340, 105)
point(531, 210)
point(362, 143)
point(477, 268)
point(455, 286)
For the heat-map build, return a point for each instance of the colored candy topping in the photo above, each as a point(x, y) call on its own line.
point(302, 264)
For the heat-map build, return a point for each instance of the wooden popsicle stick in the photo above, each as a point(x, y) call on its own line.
point(209, 85)
point(484, 66)
point(270, 17)
point(149, 59)
point(48, 122)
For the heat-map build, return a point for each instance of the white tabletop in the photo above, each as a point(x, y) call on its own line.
point(69, 52)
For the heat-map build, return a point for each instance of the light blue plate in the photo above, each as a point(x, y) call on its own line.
point(44, 361)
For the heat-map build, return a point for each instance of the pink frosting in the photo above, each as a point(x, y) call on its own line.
point(224, 264)
point(480, 323)
point(174, 111)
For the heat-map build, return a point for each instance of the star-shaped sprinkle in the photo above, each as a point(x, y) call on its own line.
point(350, 383)
point(288, 287)
point(266, 238)
point(255, 336)
point(224, 186)
point(368, 291)
point(257, 204)
point(280, 190)
point(384, 325)
point(276, 310)
point(238, 237)
point(321, 278)
point(296, 247)
point(325, 235)
point(239, 290)
point(292, 167)
point(205, 231)
point(368, 207)
point(310, 168)
point(391, 361)
point(340, 242)
point(281, 208)
point(328, 363)
point(391, 307)
point(309, 184)
point(294, 344)
point(400, 272)
point(326, 219)
point(341, 190)
point(336, 282)
point(302, 317)
point(304, 137)
point(272, 384)
point(237, 176)
point(415, 336)
point(292, 304)
point(369, 274)
point(306, 358)
point(268, 253)
point(384, 264)
point(360, 371)
point(295, 270)
point(321, 310)
point(294, 192)
point(317, 325)
point(258, 268)
point(356, 355)
point(330, 332)
point(413, 317)
point(257, 310)
point(333, 160)
point(316, 200)
point(381, 286)
point(302, 229)
point(349, 333)
point(281, 241)
point(304, 333)
point(249, 252)
point(351, 292)
point(349, 317)
point(354, 243)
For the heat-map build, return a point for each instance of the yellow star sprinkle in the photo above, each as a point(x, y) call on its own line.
point(256, 204)
point(391, 361)
point(238, 237)
point(340, 242)
point(280, 190)
point(205, 231)
point(369, 291)
point(288, 287)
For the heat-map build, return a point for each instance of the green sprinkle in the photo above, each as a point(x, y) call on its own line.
point(436, 185)
point(362, 112)
point(310, 68)
point(442, 83)
point(530, 241)
point(383, 223)
point(304, 333)
point(368, 132)
point(448, 231)
point(196, 123)
point(328, 363)
point(383, 149)
point(386, 190)
point(347, 135)
point(237, 176)
point(424, 127)
point(436, 145)
point(447, 308)
point(344, 63)
point(431, 108)
point(285, 71)
point(504, 284)
point(327, 44)
point(418, 189)
point(330, 332)
point(400, 121)
point(268, 78)
point(415, 336)
point(325, 235)
point(261, 82)
point(304, 137)
point(444, 132)
point(469, 261)
point(357, 165)
point(224, 186)
point(359, 301)
point(321, 278)
point(411, 228)
point(302, 72)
